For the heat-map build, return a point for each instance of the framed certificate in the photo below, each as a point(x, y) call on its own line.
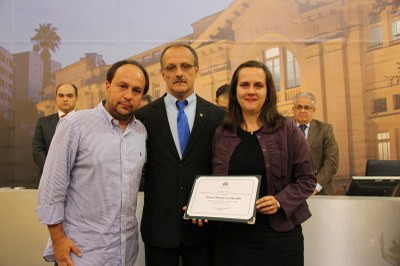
point(224, 198)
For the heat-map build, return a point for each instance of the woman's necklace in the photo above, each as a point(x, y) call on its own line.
point(252, 132)
point(258, 127)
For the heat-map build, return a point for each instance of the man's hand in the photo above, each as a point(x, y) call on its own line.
point(62, 245)
point(62, 249)
point(198, 222)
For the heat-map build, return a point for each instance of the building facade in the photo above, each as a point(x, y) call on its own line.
point(6, 83)
point(349, 59)
point(88, 74)
point(347, 53)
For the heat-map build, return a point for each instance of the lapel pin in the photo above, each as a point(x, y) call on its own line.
point(201, 114)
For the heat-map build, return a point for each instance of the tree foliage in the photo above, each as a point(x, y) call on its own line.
point(46, 40)
point(379, 5)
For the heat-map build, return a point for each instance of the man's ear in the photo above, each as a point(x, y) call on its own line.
point(107, 87)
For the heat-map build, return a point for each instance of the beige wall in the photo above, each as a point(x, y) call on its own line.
point(22, 238)
point(342, 231)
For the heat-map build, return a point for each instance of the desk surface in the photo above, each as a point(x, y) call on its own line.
point(352, 231)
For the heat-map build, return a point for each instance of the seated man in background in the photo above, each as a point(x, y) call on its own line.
point(320, 137)
point(66, 97)
point(222, 97)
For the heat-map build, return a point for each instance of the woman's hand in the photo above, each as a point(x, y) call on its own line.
point(267, 205)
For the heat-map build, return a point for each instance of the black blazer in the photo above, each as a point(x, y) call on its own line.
point(44, 132)
point(168, 179)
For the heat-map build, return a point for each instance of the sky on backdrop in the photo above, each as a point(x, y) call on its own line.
point(116, 29)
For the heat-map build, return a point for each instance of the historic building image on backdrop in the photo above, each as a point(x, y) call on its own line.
point(347, 53)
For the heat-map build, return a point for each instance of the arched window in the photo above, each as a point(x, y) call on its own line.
point(272, 61)
point(396, 30)
point(292, 71)
point(282, 63)
point(375, 36)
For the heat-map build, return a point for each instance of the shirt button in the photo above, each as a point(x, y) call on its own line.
point(181, 189)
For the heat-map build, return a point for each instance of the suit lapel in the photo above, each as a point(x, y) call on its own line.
point(312, 132)
point(200, 121)
point(53, 121)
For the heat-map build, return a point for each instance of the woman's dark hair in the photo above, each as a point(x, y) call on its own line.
point(269, 116)
point(111, 72)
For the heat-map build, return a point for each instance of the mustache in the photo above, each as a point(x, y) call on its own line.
point(179, 80)
point(126, 103)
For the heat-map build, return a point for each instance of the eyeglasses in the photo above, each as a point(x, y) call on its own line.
point(305, 107)
point(184, 67)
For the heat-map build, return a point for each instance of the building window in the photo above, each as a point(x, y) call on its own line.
point(156, 54)
point(396, 101)
point(383, 146)
point(293, 71)
point(272, 61)
point(379, 105)
point(396, 30)
point(282, 63)
point(375, 37)
point(146, 58)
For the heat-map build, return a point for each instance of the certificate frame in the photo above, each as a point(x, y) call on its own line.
point(224, 198)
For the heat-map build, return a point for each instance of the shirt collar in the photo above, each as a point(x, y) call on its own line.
point(103, 111)
point(61, 113)
point(171, 100)
point(308, 124)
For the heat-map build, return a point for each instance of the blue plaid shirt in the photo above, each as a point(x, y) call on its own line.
point(90, 183)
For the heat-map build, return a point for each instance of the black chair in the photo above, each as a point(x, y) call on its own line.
point(382, 168)
point(382, 178)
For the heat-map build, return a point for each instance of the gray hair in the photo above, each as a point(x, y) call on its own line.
point(306, 94)
point(180, 44)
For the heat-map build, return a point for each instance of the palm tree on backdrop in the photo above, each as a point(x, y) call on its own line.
point(46, 41)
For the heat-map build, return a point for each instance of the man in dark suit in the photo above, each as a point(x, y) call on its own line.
point(66, 97)
point(320, 137)
point(172, 165)
point(222, 97)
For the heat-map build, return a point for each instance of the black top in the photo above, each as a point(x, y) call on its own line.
point(248, 159)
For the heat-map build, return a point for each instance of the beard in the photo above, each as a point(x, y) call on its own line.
point(118, 112)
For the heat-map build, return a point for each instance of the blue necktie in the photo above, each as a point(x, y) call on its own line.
point(303, 129)
point(183, 126)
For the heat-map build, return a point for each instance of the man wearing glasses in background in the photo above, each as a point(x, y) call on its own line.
point(180, 127)
point(320, 138)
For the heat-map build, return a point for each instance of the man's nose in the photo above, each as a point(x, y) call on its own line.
point(128, 94)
